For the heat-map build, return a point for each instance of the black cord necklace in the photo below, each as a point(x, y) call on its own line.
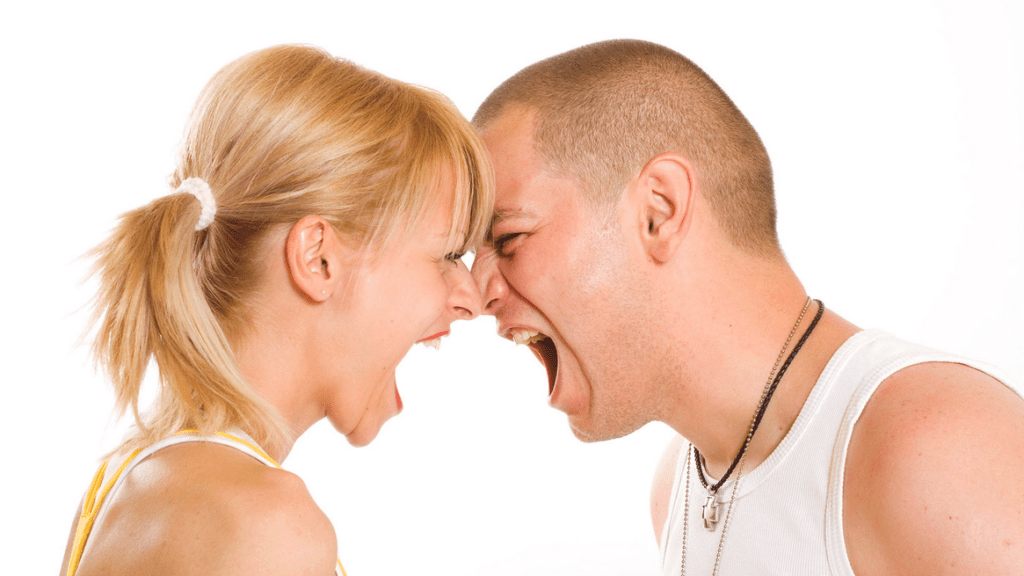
point(710, 508)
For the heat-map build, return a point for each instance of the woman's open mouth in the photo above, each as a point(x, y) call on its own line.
point(543, 348)
point(433, 341)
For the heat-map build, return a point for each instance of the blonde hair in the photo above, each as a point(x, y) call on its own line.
point(603, 110)
point(278, 134)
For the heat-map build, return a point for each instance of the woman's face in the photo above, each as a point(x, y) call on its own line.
point(409, 294)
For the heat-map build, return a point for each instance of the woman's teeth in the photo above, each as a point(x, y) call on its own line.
point(435, 343)
point(525, 336)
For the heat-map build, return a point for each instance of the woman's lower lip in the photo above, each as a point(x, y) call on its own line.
point(398, 399)
point(438, 335)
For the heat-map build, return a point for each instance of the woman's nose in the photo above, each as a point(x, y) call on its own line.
point(464, 300)
point(489, 281)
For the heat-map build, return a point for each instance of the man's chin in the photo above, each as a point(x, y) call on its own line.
point(589, 432)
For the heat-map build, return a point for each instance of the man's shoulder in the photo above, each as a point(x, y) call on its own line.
point(934, 474)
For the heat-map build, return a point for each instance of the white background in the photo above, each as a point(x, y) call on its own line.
point(895, 129)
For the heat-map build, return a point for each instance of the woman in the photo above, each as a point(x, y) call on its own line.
point(313, 236)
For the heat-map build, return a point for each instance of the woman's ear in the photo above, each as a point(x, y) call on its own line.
point(315, 257)
point(663, 195)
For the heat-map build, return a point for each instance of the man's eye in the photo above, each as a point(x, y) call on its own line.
point(501, 243)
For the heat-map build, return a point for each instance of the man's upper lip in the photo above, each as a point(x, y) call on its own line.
point(438, 335)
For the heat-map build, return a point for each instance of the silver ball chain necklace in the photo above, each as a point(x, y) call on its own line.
point(710, 512)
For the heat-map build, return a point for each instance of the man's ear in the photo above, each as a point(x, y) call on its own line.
point(315, 257)
point(664, 195)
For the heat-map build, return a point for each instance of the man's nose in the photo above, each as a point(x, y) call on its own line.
point(489, 280)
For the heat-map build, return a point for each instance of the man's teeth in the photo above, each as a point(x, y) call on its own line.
point(435, 343)
point(524, 336)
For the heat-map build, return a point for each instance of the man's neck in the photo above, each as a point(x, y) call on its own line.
point(724, 339)
point(717, 413)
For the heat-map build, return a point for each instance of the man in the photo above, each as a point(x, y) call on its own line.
point(633, 248)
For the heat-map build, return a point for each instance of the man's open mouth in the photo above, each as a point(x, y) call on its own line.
point(543, 348)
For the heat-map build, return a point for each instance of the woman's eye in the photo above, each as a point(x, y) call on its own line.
point(454, 256)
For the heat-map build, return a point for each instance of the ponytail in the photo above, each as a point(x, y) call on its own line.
point(150, 304)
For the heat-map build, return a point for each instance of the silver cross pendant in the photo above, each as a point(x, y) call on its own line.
point(710, 513)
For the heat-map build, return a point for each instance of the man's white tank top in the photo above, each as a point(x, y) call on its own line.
point(112, 474)
point(788, 517)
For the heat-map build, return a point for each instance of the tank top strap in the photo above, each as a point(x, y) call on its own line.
point(235, 439)
point(675, 497)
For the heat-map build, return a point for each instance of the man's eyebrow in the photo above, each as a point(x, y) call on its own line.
point(506, 214)
point(500, 214)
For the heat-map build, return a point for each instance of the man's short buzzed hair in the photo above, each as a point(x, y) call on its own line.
point(605, 109)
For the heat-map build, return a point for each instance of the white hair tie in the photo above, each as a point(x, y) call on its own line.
point(201, 190)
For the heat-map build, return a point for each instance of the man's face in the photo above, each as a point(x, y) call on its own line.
point(558, 276)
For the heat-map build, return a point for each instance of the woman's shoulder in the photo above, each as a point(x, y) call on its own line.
point(204, 508)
